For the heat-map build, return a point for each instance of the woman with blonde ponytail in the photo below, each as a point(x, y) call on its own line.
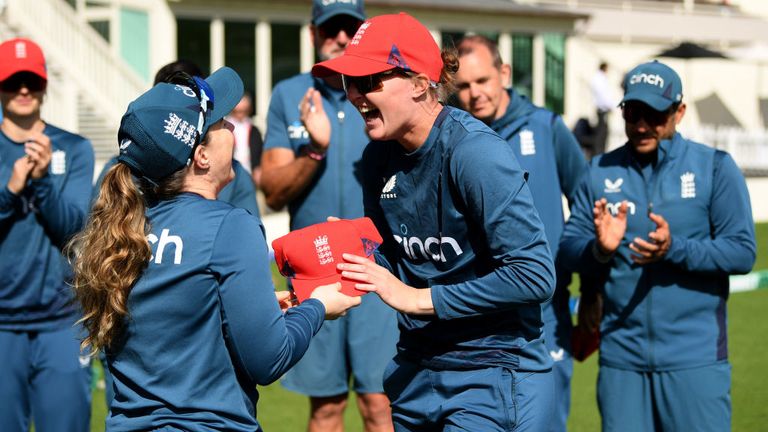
point(174, 285)
point(469, 265)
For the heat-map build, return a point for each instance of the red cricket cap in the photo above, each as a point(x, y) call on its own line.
point(21, 55)
point(385, 42)
point(309, 256)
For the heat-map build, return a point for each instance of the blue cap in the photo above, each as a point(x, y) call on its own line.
point(654, 84)
point(160, 129)
point(323, 10)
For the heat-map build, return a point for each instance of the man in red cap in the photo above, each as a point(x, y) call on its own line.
point(46, 175)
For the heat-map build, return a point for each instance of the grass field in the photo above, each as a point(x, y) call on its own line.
point(283, 411)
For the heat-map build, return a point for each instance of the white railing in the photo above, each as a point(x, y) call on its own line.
point(749, 148)
point(84, 57)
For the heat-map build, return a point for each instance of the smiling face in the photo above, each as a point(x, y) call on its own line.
point(388, 108)
point(21, 95)
point(480, 84)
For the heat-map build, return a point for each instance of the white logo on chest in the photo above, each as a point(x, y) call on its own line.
point(527, 144)
point(613, 186)
point(389, 186)
point(58, 162)
point(688, 185)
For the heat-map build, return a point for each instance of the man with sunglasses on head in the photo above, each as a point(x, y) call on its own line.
point(46, 175)
point(314, 141)
point(666, 220)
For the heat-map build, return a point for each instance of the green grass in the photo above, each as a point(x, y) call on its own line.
point(282, 411)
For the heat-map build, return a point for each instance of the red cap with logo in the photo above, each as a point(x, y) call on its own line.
point(21, 55)
point(309, 256)
point(386, 42)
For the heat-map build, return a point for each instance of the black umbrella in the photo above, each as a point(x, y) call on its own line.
point(689, 50)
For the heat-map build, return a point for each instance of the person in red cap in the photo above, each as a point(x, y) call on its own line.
point(311, 164)
point(45, 177)
point(461, 234)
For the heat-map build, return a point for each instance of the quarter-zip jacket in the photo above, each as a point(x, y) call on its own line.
point(456, 215)
point(670, 314)
point(335, 190)
point(549, 152)
point(35, 226)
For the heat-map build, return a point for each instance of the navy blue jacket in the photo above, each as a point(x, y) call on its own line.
point(670, 314)
point(204, 327)
point(549, 152)
point(449, 223)
point(35, 226)
point(335, 189)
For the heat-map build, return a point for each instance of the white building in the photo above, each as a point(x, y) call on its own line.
point(554, 47)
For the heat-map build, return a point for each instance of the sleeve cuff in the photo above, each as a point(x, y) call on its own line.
point(8, 199)
point(676, 253)
point(600, 256)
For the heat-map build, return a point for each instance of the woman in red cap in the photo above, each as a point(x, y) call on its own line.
point(470, 260)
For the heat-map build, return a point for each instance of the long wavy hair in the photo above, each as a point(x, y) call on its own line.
point(110, 254)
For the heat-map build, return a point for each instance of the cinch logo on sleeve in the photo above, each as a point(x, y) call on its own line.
point(165, 240)
point(654, 79)
point(297, 131)
point(430, 249)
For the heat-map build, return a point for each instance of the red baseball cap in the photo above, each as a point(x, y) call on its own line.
point(21, 55)
point(385, 42)
point(309, 256)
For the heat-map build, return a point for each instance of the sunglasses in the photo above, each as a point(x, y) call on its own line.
point(15, 82)
point(332, 27)
point(633, 112)
point(371, 83)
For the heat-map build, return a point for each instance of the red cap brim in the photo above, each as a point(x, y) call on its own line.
point(350, 65)
point(303, 288)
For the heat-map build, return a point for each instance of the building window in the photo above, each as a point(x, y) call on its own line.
point(102, 28)
point(240, 51)
point(554, 75)
point(522, 64)
point(286, 51)
point(193, 38)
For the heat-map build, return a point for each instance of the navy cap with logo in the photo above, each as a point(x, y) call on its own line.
point(161, 128)
point(323, 10)
point(654, 84)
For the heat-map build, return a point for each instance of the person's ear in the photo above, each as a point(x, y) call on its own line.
point(505, 73)
point(314, 35)
point(420, 85)
point(200, 158)
point(680, 113)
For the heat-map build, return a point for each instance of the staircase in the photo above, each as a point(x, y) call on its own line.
point(103, 134)
point(89, 86)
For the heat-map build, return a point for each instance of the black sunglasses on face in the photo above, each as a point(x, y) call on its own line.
point(633, 112)
point(332, 27)
point(15, 82)
point(371, 83)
